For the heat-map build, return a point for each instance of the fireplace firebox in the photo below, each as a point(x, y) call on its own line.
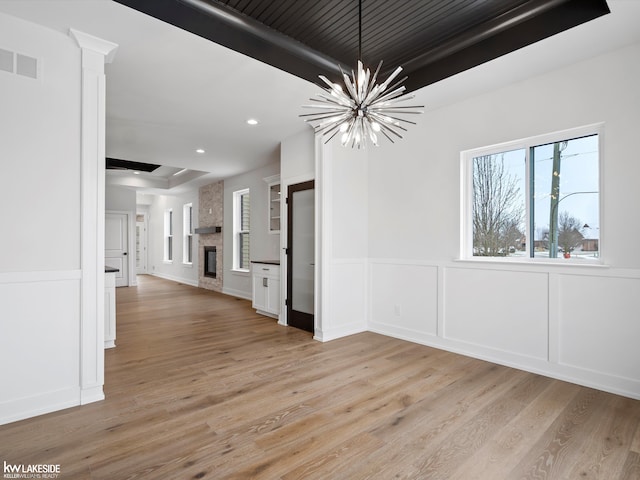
point(210, 262)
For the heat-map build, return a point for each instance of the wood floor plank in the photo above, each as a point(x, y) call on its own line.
point(635, 443)
point(631, 468)
point(331, 464)
point(200, 386)
point(499, 456)
point(558, 450)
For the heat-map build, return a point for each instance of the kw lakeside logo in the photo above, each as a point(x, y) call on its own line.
point(38, 470)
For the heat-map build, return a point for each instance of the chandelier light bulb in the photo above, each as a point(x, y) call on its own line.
point(362, 109)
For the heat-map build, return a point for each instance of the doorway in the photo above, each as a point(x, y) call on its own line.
point(116, 241)
point(141, 243)
point(301, 255)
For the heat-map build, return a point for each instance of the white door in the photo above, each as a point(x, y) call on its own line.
point(116, 246)
point(141, 245)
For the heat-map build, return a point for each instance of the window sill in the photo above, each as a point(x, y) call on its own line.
point(168, 262)
point(187, 264)
point(241, 272)
point(561, 262)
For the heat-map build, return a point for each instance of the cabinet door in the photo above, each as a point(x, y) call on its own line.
point(259, 293)
point(274, 207)
point(273, 296)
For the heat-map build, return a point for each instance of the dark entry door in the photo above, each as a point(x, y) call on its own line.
point(300, 255)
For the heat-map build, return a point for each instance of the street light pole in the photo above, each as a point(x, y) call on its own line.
point(555, 199)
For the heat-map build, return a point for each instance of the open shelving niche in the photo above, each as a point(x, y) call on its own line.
point(274, 197)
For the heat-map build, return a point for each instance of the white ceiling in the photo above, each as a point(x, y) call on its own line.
point(170, 92)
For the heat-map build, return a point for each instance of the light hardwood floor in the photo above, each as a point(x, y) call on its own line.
point(199, 386)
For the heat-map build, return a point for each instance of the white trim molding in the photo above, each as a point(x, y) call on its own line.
point(95, 52)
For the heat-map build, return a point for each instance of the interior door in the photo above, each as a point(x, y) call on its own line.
point(301, 255)
point(116, 246)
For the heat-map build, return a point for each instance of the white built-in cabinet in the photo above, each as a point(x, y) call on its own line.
point(109, 310)
point(266, 288)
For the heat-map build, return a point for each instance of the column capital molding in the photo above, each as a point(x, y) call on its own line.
point(96, 44)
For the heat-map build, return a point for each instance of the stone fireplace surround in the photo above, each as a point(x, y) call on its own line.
point(211, 214)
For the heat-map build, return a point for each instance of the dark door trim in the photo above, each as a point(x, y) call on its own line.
point(301, 320)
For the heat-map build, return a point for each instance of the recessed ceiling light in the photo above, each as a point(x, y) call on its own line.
point(252, 121)
point(199, 150)
point(136, 173)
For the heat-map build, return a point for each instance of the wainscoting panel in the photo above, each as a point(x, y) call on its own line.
point(503, 310)
point(404, 299)
point(599, 327)
point(39, 335)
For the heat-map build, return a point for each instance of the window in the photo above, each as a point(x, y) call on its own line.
point(168, 235)
point(537, 198)
point(241, 236)
point(187, 233)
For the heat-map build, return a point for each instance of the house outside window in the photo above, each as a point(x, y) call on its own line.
point(536, 199)
point(241, 234)
point(168, 235)
point(187, 234)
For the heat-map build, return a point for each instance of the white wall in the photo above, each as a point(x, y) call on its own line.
point(176, 270)
point(120, 198)
point(297, 157)
point(40, 242)
point(40, 184)
point(264, 245)
point(342, 186)
point(577, 323)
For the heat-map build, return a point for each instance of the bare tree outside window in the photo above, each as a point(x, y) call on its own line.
point(569, 233)
point(498, 208)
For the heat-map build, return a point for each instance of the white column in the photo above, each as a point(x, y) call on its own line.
point(95, 52)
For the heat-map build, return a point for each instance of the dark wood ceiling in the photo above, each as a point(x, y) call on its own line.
point(430, 39)
point(117, 164)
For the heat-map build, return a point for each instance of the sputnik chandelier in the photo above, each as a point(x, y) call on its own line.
point(365, 109)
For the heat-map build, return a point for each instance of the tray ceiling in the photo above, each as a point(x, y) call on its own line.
point(431, 40)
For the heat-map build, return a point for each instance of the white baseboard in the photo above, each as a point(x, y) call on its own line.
point(186, 281)
point(327, 335)
point(22, 408)
point(236, 293)
point(608, 383)
point(92, 394)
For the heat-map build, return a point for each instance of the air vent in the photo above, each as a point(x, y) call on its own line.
point(19, 64)
point(6, 61)
point(27, 66)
